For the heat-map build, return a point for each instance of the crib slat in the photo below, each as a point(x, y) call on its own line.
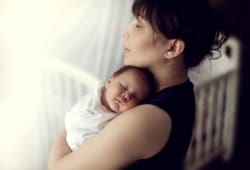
point(67, 87)
point(69, 91)
point(199, 129)
point(79, 91)
point(48, 96)
point(189, 157)
point(229, 119)
point(46, 92)
point(209, 119)
point(57, 93)
point(219, 114)
point(48, 89)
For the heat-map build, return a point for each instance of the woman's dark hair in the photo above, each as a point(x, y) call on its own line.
point(148, 77)
point(192, 21)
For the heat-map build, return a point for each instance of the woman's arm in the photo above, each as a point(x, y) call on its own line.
point(59, 149)
point(136, 134)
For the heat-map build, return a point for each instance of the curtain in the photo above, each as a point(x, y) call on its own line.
point(84, 33)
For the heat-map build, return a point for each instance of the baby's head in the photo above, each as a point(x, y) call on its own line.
point(127, 88)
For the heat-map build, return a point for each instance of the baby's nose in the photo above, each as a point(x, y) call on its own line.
point(125, 96)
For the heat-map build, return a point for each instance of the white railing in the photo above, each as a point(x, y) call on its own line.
point(213, 134)
point(62, 85)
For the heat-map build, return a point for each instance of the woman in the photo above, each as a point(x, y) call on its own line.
point(167, 37)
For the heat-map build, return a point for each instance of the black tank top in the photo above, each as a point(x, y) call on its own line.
point(179, 102)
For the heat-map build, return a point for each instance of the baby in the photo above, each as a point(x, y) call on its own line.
point(126, 88)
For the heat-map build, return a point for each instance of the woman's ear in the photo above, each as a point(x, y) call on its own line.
point(175, 48)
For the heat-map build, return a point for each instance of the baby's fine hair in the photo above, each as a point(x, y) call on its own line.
point(148, 76)
point(192, 21)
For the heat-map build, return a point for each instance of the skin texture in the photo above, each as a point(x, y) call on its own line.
point(124, 91)
point(139, 135)
point(140, 132)
point(142, 45)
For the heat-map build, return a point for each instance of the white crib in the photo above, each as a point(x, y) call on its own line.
point(213, 136)
point(216, 104)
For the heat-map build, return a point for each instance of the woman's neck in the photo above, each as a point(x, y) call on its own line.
point(169, 75)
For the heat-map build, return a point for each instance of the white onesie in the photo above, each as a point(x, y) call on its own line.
point(86, 118)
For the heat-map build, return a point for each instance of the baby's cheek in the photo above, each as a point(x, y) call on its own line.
point(125, 107)
point(131, 105)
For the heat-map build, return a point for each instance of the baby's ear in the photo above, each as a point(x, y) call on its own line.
point(108, 81)
point(174, 49)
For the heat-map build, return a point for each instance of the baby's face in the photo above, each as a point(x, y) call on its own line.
point(125, 90)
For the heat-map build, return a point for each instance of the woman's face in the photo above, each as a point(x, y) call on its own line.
point(143, 47)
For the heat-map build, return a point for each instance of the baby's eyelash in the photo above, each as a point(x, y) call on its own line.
point(123, 85)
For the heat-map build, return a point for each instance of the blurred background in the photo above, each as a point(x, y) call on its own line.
point(237, 16)
point(86, 35)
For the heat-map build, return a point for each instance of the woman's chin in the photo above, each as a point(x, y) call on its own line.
point(127, 62)
point(126, 59)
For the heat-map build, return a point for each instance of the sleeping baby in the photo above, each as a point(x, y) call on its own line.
point(126, 88)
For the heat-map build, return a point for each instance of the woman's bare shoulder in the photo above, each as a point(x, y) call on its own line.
point(136, 134)
point(149, 126)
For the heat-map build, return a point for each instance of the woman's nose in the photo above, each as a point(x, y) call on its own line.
point(125, 33)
